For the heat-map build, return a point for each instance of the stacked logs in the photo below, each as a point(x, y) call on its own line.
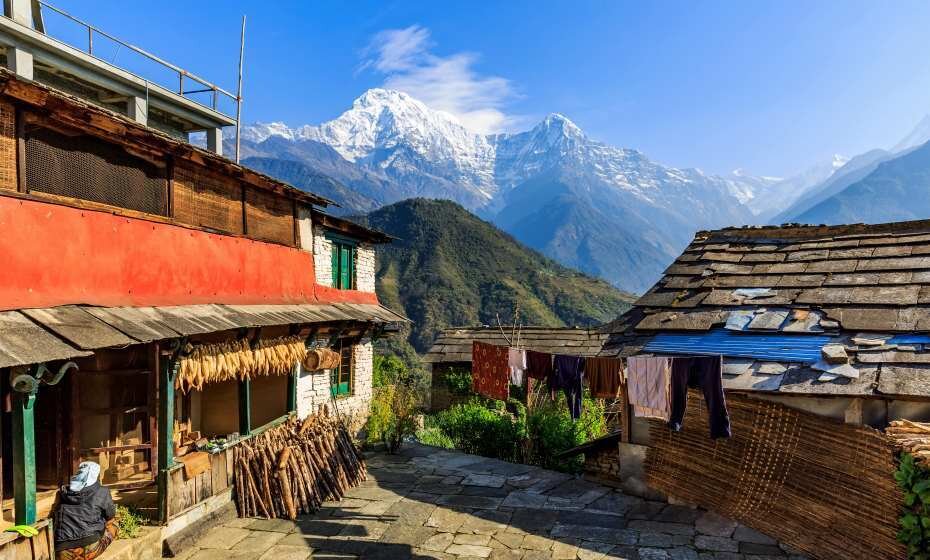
point(293, 468)
point(213, 363)
point(912, 437)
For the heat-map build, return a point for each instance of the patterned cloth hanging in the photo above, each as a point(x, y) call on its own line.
point(490, 371)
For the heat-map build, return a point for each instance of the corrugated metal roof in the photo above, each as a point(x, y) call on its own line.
point(44, 334)
point(776, 347)
point(23, 342)
point(141, 323)
point(79, 327)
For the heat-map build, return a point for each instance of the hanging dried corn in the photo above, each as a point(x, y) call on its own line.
point(214, 363)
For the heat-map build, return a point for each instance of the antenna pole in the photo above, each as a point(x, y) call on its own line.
point(239, 91)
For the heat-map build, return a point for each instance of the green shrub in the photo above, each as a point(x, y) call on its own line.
point(397, 399)
point(552, 431)
point(458, 381)
point(129, 522)
point(386, 370)
point(474, 428)
point(504, 430)
point(915, 521)
point(431, 435)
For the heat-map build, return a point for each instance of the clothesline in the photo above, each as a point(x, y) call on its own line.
point(656, 387)
point(495, 368)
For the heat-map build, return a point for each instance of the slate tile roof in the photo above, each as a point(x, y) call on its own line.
point(833, 280)
point(454, 345)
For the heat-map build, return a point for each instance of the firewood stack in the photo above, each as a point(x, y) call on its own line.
point(295, 467)
point(912, 437)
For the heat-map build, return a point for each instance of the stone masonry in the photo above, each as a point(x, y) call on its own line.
point(365, 268)
point(322, 257)
point(427, 503)
point(313, 388)
point(603, 464)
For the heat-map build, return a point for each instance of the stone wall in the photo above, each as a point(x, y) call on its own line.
point(322, 257)
point(322, 261)
point(603, 463)
point(313, 389)
point(365, 268)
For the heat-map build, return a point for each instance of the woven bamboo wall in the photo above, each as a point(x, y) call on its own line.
point(269, 217)
point(205, 199)
point(823, 487)
point(8, 178)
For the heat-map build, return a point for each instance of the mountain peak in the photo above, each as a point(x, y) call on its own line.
point(381, 96)
point(918, 135)
point(560, 122)
point(259, 132)
point(840, 160)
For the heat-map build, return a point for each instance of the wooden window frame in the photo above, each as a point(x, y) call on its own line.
point(343, 270)
point(344, 375)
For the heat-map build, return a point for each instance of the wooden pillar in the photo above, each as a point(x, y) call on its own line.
point(292, 390)
point(24, 458)
point(167, 373)
point(245, 407)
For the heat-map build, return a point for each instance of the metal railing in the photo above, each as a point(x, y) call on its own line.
point(182, 74)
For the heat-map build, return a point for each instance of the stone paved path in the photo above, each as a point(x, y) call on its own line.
point(429, 503)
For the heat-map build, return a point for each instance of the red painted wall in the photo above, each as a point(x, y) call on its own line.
point(55, 255)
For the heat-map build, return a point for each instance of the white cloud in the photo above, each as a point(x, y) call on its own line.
point(447, 83)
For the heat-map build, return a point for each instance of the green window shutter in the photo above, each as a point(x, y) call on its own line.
point(335, 263)
point(345, 267)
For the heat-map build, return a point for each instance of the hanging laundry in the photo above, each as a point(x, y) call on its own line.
point(604, 376)
point(567, 374)
point(704, 372)
point(538, 365)
point(516, 360)
point(648, 386)
point(490, 373)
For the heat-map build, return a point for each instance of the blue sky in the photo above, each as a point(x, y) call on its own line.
point(771, 87)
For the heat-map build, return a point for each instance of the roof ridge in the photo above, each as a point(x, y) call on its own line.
point(799, 231)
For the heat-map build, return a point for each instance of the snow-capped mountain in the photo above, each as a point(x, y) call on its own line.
point(775, 196)
point(606, 210)
point(747, 188)
point(918, 136)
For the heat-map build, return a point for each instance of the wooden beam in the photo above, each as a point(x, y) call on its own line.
point(292, 390)
point(166, 376)
point(245, 408)
point(24, 458)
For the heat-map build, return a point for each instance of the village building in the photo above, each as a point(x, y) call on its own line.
point(452, 351)
point(823, 333)
point(128, 251)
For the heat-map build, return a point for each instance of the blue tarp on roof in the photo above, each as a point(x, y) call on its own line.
point(781, 347)
point(909, 339)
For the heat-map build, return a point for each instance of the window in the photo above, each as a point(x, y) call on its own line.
point(91, 169)
point(341, 377)
point(343, 265)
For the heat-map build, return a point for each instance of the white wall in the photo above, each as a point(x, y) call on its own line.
point(365, 268)
point(322, 260)
point(322, 257)
point(313, 389)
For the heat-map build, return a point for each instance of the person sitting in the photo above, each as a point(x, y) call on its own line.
point(84, 516)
